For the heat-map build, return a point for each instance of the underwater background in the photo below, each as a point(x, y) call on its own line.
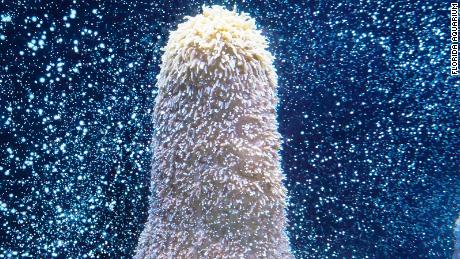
point(368, 112)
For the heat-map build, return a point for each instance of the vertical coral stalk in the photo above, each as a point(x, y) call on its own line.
point(217, 187)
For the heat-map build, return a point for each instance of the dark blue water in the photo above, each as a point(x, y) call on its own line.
point(368, 112)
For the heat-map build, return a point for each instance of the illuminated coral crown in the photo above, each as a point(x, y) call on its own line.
point(218, 44)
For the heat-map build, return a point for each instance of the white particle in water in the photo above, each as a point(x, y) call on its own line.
point(73, 14)
point(6, 18)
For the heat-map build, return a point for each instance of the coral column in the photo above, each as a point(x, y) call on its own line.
point(216, 181)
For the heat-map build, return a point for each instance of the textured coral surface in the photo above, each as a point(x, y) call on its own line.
point(216, 179)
